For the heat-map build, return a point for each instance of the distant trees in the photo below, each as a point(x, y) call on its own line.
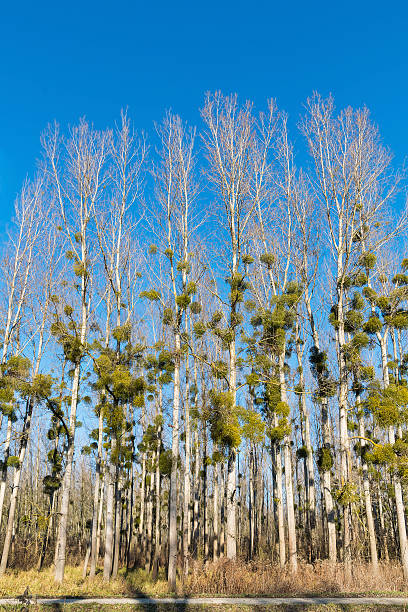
point(212, 342)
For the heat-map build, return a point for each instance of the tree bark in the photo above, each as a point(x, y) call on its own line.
point(187, 494)
point(399, 503)
point(97, 487)
point(367, 501)
point(172, 565)
point(292, 547)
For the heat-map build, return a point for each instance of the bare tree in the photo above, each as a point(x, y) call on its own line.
point(77, 175)
point(231, 147)
point(176, 192)
point(353, 182)
point(17, 277)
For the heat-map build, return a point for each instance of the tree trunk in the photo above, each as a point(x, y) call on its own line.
point(100, 515)
point(186, 500)
point(367, 500)
point(205, 498)
point(196, 508)
point(216, 510)
point(172, 565)
point(94, 528)
point(326, 473)
point(344, 440)
point(66, 481)
point(399, 503)
point(157, 494)
point(292, 548)
point(3, 479)
point(66, 486)
point(251, 512)
point(149, 522)
point(310, 491)
point(16, 485)
point(231, 525)
point(117, 522)
point(108, 559)
point(277, 462)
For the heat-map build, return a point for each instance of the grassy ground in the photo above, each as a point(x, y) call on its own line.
point(266, 578)
point(220, 579)
point(132, 584)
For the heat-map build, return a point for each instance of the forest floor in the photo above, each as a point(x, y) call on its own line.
point(224, 580)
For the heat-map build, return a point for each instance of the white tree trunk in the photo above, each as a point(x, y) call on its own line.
point(399, 503)
point(110, 499)
point(16, 487)
point(368, 504)
point(231, 526)
point(290, 508)
point(97, 487)
point(172, 566)
point(187, 493)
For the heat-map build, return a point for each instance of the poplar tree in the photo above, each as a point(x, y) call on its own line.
point(176, 191)
point(75, 167)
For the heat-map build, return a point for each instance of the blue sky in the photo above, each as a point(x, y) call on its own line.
point(63, 60)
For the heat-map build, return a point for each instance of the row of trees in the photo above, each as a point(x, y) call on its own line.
point(214, 342)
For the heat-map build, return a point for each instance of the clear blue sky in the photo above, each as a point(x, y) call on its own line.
point(65, 59)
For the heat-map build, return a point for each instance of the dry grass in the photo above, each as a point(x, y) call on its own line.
point(222, 578)
point(264, 578)
point(135, 583)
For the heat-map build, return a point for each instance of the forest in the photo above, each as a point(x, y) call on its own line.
point(204, 353)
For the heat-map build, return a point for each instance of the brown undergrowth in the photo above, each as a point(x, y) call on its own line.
point(221, 578)
point(41, 584)
point(265, 578)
